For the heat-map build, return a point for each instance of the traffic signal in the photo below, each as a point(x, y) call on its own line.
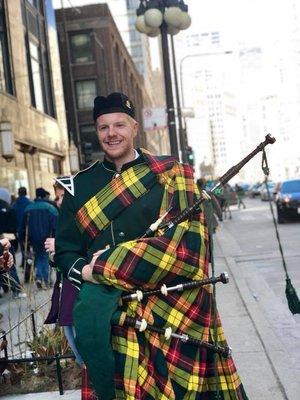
point(190, 156)
point(87, 151)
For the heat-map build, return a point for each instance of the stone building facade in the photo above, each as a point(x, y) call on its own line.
point(32, 108)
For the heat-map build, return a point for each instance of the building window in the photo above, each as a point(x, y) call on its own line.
point(134, 35)
point(38, 64)
point(50, 164)
point(88, 134)
point(132, 4)
point(136, 51)
point(6, 84)
point(81, 50)
point(36, 69)
point(85, 93)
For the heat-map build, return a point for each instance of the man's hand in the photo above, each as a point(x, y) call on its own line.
point(6, 264)
point(5, 243)
point(50, 245)
point(87, 270)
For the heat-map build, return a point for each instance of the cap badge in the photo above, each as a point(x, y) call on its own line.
point(127, 104)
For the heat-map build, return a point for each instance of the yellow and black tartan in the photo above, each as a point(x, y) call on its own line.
point(147, 366)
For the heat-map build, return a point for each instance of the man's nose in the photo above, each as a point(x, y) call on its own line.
point(111, 131)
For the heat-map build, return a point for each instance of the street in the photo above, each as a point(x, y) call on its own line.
point(254, 233)
point(258, 324)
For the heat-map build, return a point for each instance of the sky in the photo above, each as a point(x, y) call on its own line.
point(250, 21)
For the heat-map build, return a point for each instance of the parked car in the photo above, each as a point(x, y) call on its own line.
point(264, 192)
point(254, 190)
point(288, 200)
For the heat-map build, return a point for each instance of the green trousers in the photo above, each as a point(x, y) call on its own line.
point(92, 315)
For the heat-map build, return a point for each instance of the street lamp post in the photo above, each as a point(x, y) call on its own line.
point(164, 17)
point(182, 133)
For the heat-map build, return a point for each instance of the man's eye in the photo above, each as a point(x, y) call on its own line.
point(120, 125)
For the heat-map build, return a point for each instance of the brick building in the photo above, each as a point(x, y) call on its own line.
point(94, 62)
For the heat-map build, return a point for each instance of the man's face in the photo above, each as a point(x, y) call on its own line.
point(59, 195)
point(116, 132)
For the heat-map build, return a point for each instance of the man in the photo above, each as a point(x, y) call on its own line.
point(240, 194)
point(108, 206)
point(6, 261)
point(40, 220)
point(19, 207)
point(8, 225)
point(20, 204)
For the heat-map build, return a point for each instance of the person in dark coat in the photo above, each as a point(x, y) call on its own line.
point(19, 207)
point(64, 293)
point(8, 225)
point(40, 219)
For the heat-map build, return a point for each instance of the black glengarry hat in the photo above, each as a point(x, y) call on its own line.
point(114, 102)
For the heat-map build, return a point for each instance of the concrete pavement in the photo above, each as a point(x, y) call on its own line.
point(266, 358)
point(267, 363)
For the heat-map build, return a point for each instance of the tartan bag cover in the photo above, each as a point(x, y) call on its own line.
point(147, 365)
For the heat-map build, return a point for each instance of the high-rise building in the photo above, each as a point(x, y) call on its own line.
point(212, 133)
point(32, 116)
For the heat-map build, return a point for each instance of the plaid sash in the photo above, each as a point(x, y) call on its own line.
point(97, 213)
point(147, 365)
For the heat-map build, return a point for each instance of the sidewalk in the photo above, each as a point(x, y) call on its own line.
point(266, 364)
point(68, 395)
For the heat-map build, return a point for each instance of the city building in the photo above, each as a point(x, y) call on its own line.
point(204, 67)
point(138, 46)
point(34, 140)
point(94, 62)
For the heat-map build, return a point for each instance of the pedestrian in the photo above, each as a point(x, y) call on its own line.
point(8, 226)
point(240, 194)
point(106, 208)
point(39, 222)
point(6, 262)
point(226, 201)
point(19, 206)
point(64, 293)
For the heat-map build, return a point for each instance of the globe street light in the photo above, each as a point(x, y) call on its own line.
point(164, 17)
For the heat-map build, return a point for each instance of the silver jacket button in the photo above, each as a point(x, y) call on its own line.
point(121, 234)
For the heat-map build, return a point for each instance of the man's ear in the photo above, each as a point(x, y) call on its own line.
point(135, 127)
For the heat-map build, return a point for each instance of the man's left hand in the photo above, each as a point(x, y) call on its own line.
point(87, 270)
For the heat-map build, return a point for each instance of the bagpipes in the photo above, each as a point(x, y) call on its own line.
point(163, 227)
